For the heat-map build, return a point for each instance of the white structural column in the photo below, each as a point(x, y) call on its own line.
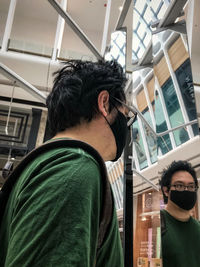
point(59, 32)
point(106, 25)
point(165, 112)
point(178, 93)
point(134, 152)
point(9, 24)
point(134, 159)
point(140, 123)
point(146, 149)
point(190, 22)
point(149, 105)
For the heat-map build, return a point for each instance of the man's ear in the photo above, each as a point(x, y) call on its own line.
point(103, 102)
point(166, 191)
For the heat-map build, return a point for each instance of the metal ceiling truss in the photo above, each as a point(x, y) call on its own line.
point(74, 26)
point(123, 14)
point(19, 136)
point(19, 81)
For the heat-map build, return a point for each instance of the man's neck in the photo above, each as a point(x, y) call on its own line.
point(93, 134)
point(177, 213)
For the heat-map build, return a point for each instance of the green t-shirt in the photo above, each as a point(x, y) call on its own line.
point(181, 242)
point(52, 216)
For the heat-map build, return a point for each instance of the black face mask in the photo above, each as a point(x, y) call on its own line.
point(120, 130)
point(184, 199)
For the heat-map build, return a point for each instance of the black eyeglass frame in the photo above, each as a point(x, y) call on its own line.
point(132, 119)
point(184, 187)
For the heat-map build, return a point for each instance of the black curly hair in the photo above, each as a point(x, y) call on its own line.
point(74, 96)
point(175, 166)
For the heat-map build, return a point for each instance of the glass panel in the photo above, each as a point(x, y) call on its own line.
point(146, 214)
point(118, 47)
point(174, 78)
point(150, 138)
point(174, 100)
point(163, 144)
point(176, 104)
point(144, 12)
point(138, 146)
point(174, 111)
point(184, 77)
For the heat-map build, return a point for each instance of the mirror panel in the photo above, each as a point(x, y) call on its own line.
point(174, 91)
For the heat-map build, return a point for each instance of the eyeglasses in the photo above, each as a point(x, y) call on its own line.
point(131, 115)
point(182, 187)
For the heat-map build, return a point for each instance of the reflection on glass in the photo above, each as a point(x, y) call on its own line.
point(184, 78)
point(118, 47)
point(173, 110)
point(139, 146)
point(144, 12)
point(147, 237)
point(163, 144)
point(174, 96)
point(150, 138)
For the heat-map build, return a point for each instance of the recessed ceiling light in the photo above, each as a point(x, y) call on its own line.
point(120, 8)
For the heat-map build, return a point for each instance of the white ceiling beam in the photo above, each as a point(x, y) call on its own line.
point(174, 10)
point(146, 60)
point(106, 26)
point(19, 81)
point(123, 14)
point(146, 179)
point(9, 24)
point(59, 32)
point(179, 27)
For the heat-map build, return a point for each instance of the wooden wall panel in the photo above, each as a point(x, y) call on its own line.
point(177, 54)
point(150, 88)
point(141, 100)
point(161, 71)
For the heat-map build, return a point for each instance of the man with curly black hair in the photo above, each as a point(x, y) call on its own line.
point(180, 231)
point(54, 211)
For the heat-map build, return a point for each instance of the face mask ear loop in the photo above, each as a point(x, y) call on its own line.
point(106, 120)
point(165, 197)
point(115, 108)
point(168, 187)
point(111, 101)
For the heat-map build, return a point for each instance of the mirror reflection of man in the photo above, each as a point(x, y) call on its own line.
point(180, 231)
point(140, 153)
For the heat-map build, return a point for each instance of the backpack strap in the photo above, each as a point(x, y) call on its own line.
point(162, 223)
point(107, 200)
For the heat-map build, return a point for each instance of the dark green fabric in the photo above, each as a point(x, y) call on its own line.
point(52, 216)
point(181, 242)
